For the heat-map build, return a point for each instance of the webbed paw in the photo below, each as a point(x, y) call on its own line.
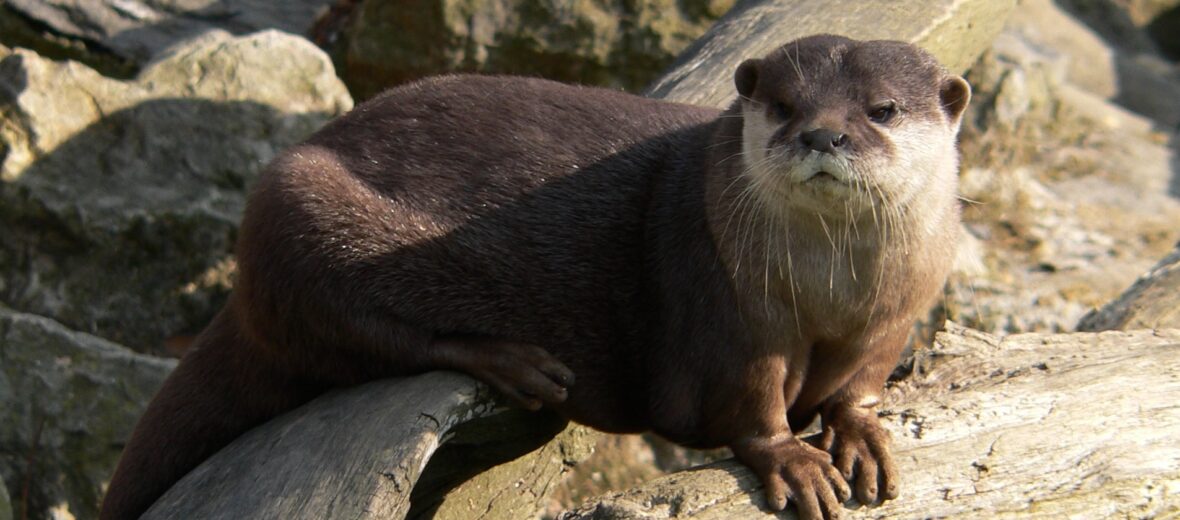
point(794, 471)
point(860, 447)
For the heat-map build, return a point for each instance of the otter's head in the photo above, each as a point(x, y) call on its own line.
point(837, 126)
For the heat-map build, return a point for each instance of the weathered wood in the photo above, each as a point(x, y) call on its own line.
point(356, 453)
point(955, 31)
point(1054, 426)
point(1152, 302)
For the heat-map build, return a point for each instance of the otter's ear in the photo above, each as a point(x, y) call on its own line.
point(746, 77)
point(954, 94)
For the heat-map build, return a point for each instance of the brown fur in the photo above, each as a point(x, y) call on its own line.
point(531, 233)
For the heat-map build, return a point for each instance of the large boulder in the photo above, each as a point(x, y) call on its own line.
point(136, 30)
point(5, 501)
point(120, 199)
point(1070, 195)
point(68, 402)
point(619, 44)
point(954, 31)
point(1108, 49)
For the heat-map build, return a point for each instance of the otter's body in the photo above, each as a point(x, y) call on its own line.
point(625, 261)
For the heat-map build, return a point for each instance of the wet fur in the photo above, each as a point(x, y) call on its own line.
point(627, 237)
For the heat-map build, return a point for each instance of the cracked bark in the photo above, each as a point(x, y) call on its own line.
point(1060, 425)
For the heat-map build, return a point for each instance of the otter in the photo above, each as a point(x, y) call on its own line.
point(719, 277)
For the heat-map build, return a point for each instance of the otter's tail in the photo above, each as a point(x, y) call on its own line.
point(223, 387)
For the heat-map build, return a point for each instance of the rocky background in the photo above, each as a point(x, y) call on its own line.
point(130, 131)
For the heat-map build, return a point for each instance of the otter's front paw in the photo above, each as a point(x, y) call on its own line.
point(525, 373)
point(794, 470)
point(860, 447)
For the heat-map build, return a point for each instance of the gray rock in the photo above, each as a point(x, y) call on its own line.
point(954, 31)
point(619, 44)
point(1121, 22)
point(68, 402)
point(120, 200)
point(1072, 195)
point(5, 501)
point(1057, 35)
point(1152, 302)
point(136, 30)
point(1106, 51)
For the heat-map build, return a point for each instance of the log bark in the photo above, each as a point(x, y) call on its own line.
point(1054, 426)
point(364, 452)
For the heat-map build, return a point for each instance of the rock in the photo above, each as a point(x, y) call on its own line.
point(618, 44)
point(68, 402)
point(955, 31)
point(120, 199)
point(1165, 31)
point(136, 30)
point(1119, 22)
point(1122, 22)
point(1107, 50)
point(1152, 302)
point(1050, 29)
point(1150, 85)
point(1042, 425)
point(5, 501)
point(1070, 195)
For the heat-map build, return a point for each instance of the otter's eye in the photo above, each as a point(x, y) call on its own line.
point(881, 114)
point(782, 111)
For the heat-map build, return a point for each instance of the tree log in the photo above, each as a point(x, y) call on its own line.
point(358, 453)
point(1057, 426)
point(364, 452)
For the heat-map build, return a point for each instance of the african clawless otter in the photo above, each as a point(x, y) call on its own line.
point(721, 278)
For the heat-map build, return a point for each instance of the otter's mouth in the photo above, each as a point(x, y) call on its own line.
point(822, 176)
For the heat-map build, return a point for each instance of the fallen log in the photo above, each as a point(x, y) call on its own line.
point(1052, 425)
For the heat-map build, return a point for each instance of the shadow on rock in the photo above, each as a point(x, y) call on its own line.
point(126, 229)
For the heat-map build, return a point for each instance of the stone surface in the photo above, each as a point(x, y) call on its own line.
point(5, 501)
point(1089, 61)
point(120, 199)
point(1153, 302)
point(619, 44)
point(68, 401)
point(1070, 196)
point(954, 31)
point(1164, 29)
point(1107, 50)
point(1031, 425)
point(136, 30)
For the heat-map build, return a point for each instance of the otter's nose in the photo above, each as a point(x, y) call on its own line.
point(824, 140)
